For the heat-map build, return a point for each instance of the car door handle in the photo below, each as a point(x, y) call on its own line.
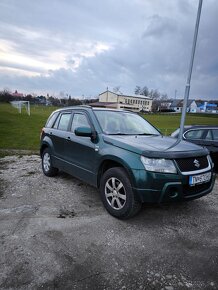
point(68, 138)
point(50, 133)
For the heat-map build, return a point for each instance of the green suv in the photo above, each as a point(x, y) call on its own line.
point(124, 156)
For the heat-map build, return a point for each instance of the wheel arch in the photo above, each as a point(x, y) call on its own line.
point(46, 143)
point(111, 163)
point(43, 147)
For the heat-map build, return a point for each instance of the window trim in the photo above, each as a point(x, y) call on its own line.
point(197, 129)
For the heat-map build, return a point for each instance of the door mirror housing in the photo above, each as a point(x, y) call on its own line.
point(83, 132)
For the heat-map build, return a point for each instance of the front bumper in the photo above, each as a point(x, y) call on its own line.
point(157, 187)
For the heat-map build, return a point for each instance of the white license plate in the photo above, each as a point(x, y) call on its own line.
point(201, 178)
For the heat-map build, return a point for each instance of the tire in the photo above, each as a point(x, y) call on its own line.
point(117, 194)
point(47, 166)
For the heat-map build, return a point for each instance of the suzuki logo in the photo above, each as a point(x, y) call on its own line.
point(196, 163)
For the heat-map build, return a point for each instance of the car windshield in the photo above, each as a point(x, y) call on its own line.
point(124, 123)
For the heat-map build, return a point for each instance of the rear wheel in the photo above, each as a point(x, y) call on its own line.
point(47, 166)
point(117, 194)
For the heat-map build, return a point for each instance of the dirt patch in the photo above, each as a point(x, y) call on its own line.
point(64, 213)
point(20, 153)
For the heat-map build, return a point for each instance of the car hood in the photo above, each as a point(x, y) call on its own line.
point(156, 146)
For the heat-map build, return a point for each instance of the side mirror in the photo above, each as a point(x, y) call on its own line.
point(83, 132)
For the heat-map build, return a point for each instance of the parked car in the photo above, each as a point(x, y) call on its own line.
point(206, 136)
point(124, 156)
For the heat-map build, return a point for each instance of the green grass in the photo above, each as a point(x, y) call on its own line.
point(20, 131)
point(168, 123)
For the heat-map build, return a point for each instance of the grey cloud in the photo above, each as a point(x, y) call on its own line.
point(150, 44)
point(160, 26)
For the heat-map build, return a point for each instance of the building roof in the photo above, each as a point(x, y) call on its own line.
point(103, 104)
point(179, 103)
point(127, 95)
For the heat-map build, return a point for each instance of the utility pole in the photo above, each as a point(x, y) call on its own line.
point(187, 88)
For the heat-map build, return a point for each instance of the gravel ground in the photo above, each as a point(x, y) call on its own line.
point(55, 234)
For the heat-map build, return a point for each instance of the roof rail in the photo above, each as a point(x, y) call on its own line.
point(86, 106)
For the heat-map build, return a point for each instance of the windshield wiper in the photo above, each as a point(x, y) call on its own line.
point(147, 134)
point(133, 134)
point(118, 133)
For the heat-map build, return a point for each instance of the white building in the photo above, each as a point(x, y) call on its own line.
point(134, 103)
point(177, 106)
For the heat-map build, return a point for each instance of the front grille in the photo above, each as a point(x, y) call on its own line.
point(189, 164)
point(198, 188)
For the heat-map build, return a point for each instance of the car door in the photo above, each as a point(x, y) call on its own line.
point(81, 151)
point(59, 133)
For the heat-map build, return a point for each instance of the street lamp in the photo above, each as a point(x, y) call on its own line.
point(187, 88)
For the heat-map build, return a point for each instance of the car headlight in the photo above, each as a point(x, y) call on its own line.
point(158, 165)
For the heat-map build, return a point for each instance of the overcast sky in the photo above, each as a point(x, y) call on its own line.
point(81, 47)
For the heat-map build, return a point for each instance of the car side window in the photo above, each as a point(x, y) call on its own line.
point(215, 134)
point(194, 134)
point(208, 135)
point(79, 120)
point(64, 121)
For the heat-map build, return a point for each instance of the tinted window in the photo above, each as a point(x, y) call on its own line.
point(208, 135)
point(51, 120)
point(215, 134)
point(79, 120)
point(64, 121)
point(194, 134)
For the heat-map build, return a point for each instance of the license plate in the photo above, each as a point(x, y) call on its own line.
point(201, 178)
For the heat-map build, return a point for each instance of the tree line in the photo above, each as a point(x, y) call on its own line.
point(7, 96)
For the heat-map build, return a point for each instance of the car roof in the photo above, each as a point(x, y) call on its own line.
point(201, 126)
point(91, 108)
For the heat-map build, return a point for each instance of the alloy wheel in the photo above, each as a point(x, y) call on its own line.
point(115, 193)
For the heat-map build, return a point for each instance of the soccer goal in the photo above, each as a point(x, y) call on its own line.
point(20, 104)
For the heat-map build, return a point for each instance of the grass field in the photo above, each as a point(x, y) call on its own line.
point(168, 123)
point(20, 131)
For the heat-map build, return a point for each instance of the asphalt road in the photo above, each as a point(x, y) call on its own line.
point(55, 234)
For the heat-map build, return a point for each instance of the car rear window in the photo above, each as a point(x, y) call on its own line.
point(51, 120)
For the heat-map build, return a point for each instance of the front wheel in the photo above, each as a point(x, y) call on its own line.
point(117, 194)
point(47, 166)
